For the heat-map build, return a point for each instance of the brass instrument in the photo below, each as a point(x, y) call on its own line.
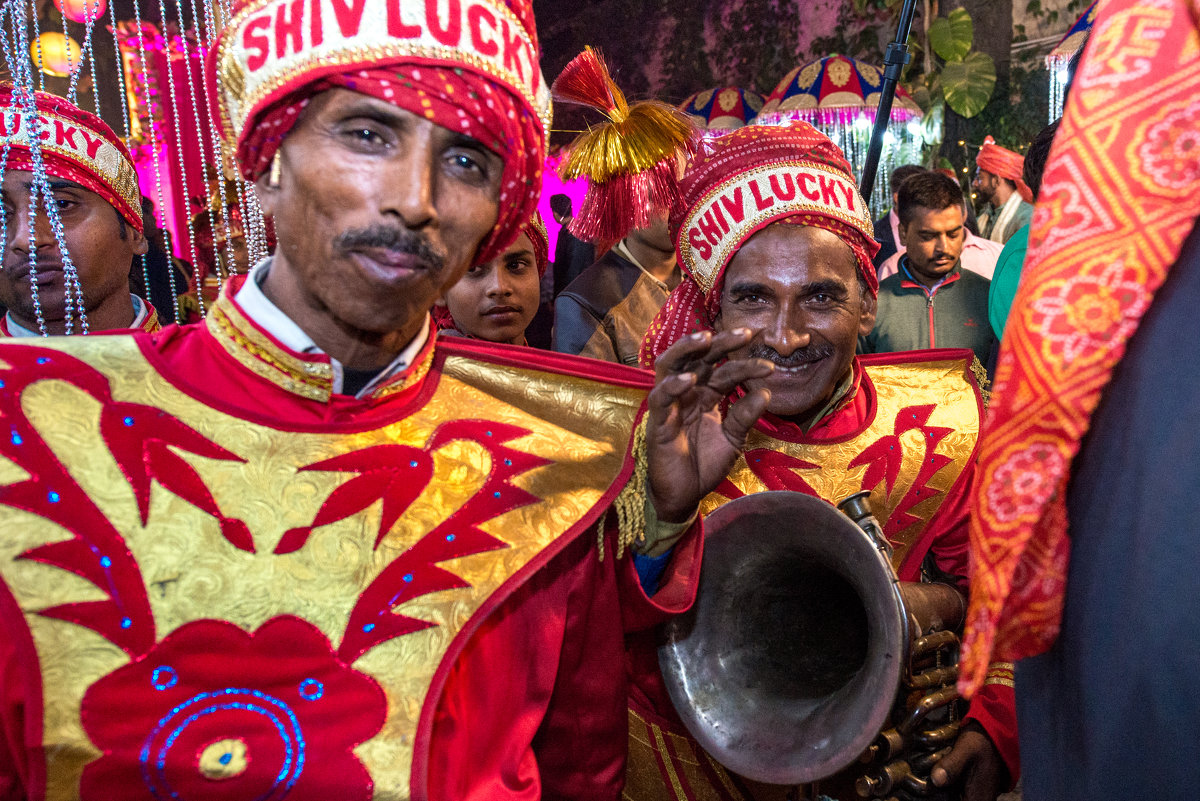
point(804, 654)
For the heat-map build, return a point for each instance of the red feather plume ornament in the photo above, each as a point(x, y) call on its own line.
point(632, 160)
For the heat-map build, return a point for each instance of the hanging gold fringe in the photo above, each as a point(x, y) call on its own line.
point(635, 138)
point(651, 132)
point(982, 379)
point(631, 502)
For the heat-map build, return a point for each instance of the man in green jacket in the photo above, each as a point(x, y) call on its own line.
point(931, 302)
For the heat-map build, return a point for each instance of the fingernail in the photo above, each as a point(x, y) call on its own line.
point(696, 337)
point(741, 332)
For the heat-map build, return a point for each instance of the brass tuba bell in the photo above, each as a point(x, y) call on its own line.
point(787, 667)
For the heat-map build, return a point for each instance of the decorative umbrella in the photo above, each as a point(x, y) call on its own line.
point(723, 110)
point(838, 95)
point(1060, 58)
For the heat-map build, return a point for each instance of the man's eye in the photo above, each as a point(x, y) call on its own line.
point(366, 136)
point(464, 161)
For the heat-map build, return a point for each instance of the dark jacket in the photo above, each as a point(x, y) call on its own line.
point(911, 317)
point(887, 243)
point(604, 313)
point(571, 257)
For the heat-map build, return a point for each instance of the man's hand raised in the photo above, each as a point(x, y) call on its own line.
point(690, 447)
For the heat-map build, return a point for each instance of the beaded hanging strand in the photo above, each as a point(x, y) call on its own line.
point(162, 10)
point(91, 16)
point(158, 191)
point(200, 138)
point(112, 17)
point(214, 126)
point(37, 43)
point(20, 69)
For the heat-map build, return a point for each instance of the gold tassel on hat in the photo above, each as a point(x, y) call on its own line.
point(630, 160)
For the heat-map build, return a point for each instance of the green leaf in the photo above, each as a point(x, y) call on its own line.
point(951, 36)
point(968, 84)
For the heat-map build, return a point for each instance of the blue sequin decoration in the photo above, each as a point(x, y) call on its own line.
point(369, 628)
point(225, 759)
point(126, 622)
point(105, 562)
point(53, 496)
point(408, 577)
point(496, 494)
point(42, 360)
point(164, 677)
point(450, 538)
point(508, 462)
point(311, 689)
point(16, 438)
point(413, 463)
point(128, 421)
point(155, 748)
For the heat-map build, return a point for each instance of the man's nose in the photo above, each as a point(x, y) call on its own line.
point(499, 284)
point(409, 182)
point(18, 231)
point(787, 333)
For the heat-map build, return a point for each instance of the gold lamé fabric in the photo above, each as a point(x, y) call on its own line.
point(207, 516)
point(909, 455)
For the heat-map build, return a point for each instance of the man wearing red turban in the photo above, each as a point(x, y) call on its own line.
point(998, 181)
point(77, 280)
point(774, 237)
point(304, 549)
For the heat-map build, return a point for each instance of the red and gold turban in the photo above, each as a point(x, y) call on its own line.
point(743, 182)
point(1005, 163)
point(75, 145)
point(469, 66)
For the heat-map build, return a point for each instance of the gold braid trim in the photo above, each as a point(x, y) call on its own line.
point(1000, 673)
point(981, 378)
point(631, 502)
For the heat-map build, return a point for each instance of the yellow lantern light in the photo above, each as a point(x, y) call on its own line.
point(81, 10)
point(55, 54)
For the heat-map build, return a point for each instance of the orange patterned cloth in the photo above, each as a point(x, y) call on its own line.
point(1120, 195)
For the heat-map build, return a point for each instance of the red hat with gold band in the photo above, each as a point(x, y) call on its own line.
point(1005, 163)
point(743, 182)
point(75, 145)
point(469, 66)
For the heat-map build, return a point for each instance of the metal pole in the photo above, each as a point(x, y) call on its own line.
point(894, 59)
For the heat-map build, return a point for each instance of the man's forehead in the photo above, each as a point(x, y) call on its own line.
point(938, 219)
point(792, 255)
point(23, 180)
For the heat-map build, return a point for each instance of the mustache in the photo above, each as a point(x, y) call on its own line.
point(399, 240)
point(810, 353)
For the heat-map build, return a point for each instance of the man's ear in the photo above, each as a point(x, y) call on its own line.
point(266, 196)
point(866, 315)
point(141, 245)
point(902, 232)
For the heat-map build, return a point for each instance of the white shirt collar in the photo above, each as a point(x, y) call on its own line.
point(1006, 212)
point(140, 312)
point(259, 308)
